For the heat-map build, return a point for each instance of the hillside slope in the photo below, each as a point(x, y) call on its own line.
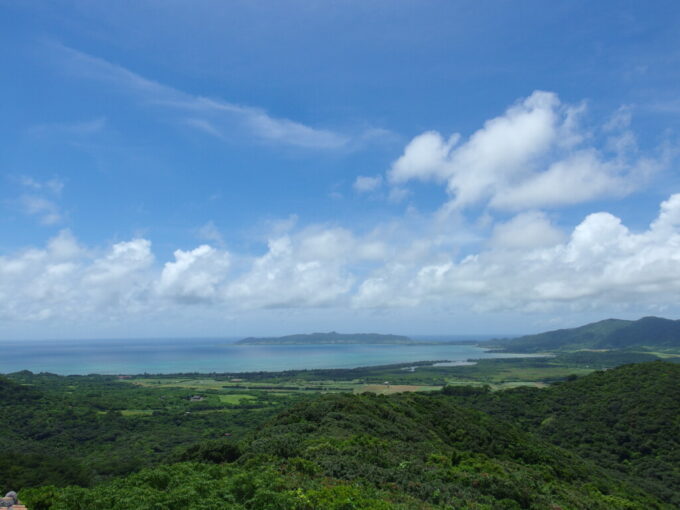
point(648, 332)
point(625, 419)
point(404, 451)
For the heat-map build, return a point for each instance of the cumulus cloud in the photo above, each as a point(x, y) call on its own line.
point(64, 280)
point(195, 275)
point(526, 264)
point(534, 155)
point(526, 230)
point(601, 263)
point(310, 269)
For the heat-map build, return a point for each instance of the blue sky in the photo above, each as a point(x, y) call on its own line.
point(234, 168)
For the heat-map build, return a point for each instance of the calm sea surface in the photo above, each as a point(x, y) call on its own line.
point(211, 355)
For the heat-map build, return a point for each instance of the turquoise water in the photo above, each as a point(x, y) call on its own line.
point(210, 355)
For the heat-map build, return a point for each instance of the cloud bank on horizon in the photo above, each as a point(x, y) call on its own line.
point(268, 173)
point(529, 266)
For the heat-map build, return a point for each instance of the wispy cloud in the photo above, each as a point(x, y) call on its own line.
point(52, 185)
point(365, 184)
point(47, 211)
point(82, 128)
point(210, 232)
point(209, 115)
point(39, 198)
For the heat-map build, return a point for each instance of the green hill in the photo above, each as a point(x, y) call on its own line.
point(648, 332)
point(609, 440)
point(624, 419)
point(405, 451)
point(329, 338)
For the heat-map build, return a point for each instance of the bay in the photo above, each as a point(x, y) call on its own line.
point(164, 356)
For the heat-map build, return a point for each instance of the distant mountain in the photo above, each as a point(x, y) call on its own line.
point(329, 338)
point(648, 332)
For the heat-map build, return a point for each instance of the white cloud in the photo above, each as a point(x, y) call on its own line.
point(310, 269)
point(527, 264)
point(424, 158)
point(581, 177)
point(213, 116)
point(67, 282)
point(365, 184)
point(526, 230)
point(116, 284)
point(283, 279)
point(195, 275)
point(534, 155)
point(602, 264)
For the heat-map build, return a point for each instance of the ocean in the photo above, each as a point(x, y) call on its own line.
point(160, 356)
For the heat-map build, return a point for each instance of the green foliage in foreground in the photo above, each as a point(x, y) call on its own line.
point(370, 452)
point(74, 430)
point(216, 487)
point(609, 440)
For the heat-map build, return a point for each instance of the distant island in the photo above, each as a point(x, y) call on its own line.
point(330, 338)
point(648, 333)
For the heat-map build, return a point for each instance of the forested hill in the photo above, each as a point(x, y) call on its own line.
point(465, 448)
point(648, 332)
point(329, 338)
point(624, 419)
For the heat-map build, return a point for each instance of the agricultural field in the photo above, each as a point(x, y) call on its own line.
point(262, 389)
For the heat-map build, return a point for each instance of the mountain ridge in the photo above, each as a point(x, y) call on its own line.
point(647, 332)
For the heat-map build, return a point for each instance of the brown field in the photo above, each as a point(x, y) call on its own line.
point(387, 389)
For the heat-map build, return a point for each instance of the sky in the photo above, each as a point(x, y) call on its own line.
point(260, 167)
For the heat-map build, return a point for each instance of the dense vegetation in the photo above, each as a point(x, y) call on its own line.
point(626, 419)
point(607, 440)
point(344, 451)
point(84, 429)
point(648, 332)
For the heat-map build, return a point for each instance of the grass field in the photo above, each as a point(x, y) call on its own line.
point(235, 398)
point(136, 412)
